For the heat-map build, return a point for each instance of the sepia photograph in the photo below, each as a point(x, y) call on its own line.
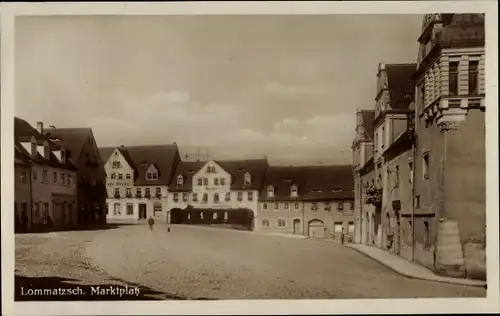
point(221, 157)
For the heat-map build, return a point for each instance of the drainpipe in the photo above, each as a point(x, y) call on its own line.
point(31, 193)
point(414, 163)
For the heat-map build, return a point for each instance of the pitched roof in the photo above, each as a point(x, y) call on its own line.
point(329, 182)
point(401, 83)
point(282, 178)
point(140, 158)
point(23, 131)
point(368, 117)
point(73, 139)
point(463, 27)
point(238, 168)
point(187, 169)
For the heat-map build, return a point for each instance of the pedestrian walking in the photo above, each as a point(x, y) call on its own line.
point(342, 236)
point(151, 222)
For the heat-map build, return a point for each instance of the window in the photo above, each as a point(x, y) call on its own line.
point(45, 176)
point(69, 179)
point(225, 216)
point(152, 176)
point(201, 215)
point(417, 201)
point(270, 191)
point(265, 223)
point(276, 206)
point(222, 181)
point(205, 181)
point(180, 180)
point(129, 192)
point(281, 223)
point(293, 191)
point(24, 176)
point(264, 206)
point(54, 177)
point(130, 209)
point(473, 77)
point(248, 178)
point(37, 209)
point(214, 215)
point(176, 197)
point(453, 78)
point(120, 176)
point(35, 175)
point(158, 192)
point(425, 165)
point(116, 209)
point(138, 192)
point(185, 196)
point(205, 197)
point(396, 185)
point(410, 165)
point(328, 207)
point(216, 181)
point(297, 205)
point(113, 176)
point(117, 192)
point(240, 196)
point(250, 196)
point(407, 96)
point(228, 196)
point(340, 206)
point(116, 164)
point(195, 197)
point(209, 169)
point(286, 206)
point(382, 137)
point(127, 176)
point(216, 197)
point(213, 169)
point(200, 181)
point(351, 205)
point(314, 206)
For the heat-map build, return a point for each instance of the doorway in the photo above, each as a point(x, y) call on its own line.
point(142, 211)
point(296, 226)
point(316, 229)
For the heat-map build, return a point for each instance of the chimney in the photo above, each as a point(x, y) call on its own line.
point(63, 154)
point(52, 126)
point(46, 150)
point(39, 127)
point(34, 152)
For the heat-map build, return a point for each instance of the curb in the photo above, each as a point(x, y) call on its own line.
point(461, 282)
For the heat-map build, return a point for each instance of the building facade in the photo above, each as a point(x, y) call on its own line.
point(91, 181)
point(450, 163)
point(45, 182)
point(212, 191)
point(137, 179)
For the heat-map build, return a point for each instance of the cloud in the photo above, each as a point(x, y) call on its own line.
point(287, 124)
point(282, 89)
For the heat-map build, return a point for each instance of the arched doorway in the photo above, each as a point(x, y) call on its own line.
point(176, 216)
point(316, 228)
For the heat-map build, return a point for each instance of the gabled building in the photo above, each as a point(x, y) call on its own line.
point(137, 179)
point(450, 170)
point(212, 191)
point(91, 182)
point(280, 207)
point(44, 183)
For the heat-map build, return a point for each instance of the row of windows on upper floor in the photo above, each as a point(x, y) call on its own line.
point(57, 177)
point(128, 176)
point(216, 181)
point(138, 192)
point(216, 197)
point(315, 206)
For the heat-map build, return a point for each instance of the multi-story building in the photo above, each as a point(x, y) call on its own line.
point(280, 206)
point(137, 179)
point(91, 182)
point(315, 201)
point(216, 191)
point(329, 202)
point(45, 186)
point(450, 183)
point(362, 148)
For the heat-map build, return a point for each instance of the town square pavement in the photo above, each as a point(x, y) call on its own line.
point(209, 263)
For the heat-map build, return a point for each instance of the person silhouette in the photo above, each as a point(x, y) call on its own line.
point(151, 222)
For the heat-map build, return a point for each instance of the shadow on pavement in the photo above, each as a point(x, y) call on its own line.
point(58, 289)
point(77, 228)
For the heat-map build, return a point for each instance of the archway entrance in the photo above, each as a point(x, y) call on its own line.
point(176, 216)
point(316, 228)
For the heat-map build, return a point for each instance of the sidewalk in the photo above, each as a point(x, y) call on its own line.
point(407, 268)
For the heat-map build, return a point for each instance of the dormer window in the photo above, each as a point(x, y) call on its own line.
point(270, 191)
point(180, 180)
point(152, 176)
point(248, 178)
point(293, 191)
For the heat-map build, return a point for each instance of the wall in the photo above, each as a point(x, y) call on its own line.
point(22, 192)
point(367, 211)
point(135, 202)
point(272, 214)
point(329, 218)
point(120, 184)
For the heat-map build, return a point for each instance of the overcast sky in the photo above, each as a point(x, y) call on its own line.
point(242, 86)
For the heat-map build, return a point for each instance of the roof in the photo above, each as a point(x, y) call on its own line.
point(368, 166)
point(187, 169)
point(140, 158)
point(282, 178)
point(368, 117)
point(463, 27)
point(329, 182)
point(401, 83)
point(72, 138)
point(24, 132)
point(402, 143)
point(238, 168)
